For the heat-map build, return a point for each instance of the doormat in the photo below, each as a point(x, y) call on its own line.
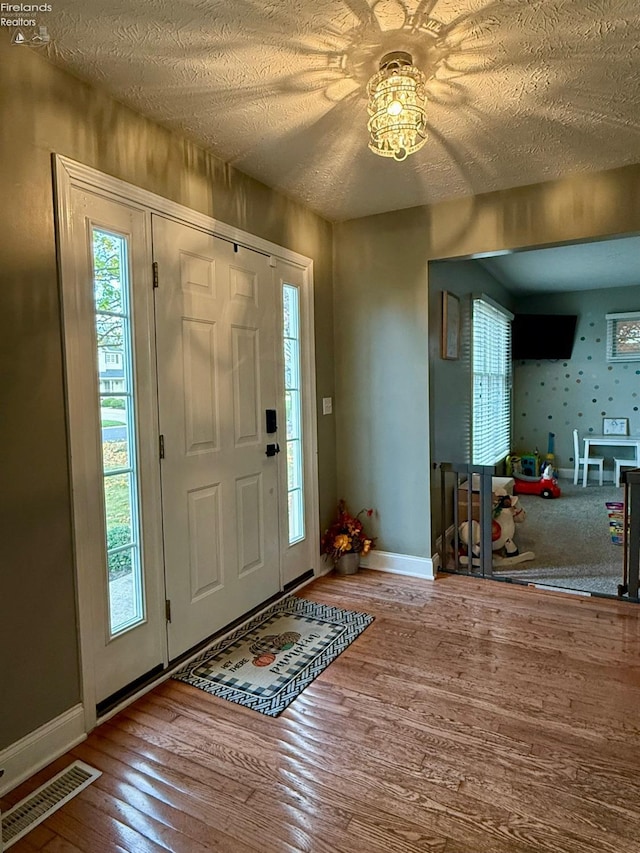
point(269, 660)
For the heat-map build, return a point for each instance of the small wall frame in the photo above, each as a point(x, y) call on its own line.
point(615, 426)
point(450, 326)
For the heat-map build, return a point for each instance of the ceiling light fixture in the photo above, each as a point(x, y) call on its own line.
point(397, 106)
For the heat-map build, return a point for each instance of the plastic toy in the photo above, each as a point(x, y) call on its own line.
point(506, 514)
point(545, 486)
point(526, 465)
point(530, 464)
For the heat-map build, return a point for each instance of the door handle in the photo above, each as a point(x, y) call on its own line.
point(272, 449)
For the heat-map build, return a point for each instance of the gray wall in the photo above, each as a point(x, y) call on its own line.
point(45, 110)
point(382, 325)
point(382, 411)
point(450, 381)
point(577, 393)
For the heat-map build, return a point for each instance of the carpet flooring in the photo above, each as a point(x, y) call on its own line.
point(571, 540)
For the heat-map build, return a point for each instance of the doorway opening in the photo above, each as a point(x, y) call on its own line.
point(551, 398)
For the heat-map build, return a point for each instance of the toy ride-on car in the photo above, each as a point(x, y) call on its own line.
point(546, 487)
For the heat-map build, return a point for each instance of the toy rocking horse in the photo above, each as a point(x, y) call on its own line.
point(505, 515)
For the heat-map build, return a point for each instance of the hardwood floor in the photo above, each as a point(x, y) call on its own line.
point(471, 717)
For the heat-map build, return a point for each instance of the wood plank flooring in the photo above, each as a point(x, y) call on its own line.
point(470, 717)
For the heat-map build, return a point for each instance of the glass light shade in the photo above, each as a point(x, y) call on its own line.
point(397, 107)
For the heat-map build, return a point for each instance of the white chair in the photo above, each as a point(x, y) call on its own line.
point(585, 461)
point(625, 463)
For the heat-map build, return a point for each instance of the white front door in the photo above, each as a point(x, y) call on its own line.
point(217, 526)
point(217, 369)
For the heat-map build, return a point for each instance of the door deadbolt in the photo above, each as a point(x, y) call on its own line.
point(271, 420)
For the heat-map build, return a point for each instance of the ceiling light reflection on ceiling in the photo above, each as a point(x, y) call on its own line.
point(397, 106)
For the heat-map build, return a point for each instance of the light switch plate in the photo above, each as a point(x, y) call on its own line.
point(327, 405)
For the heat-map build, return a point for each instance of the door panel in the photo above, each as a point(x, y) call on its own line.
point(199, 348)
point(249, 511)
point(216, 327)
point(246, 384)
point(205, 534)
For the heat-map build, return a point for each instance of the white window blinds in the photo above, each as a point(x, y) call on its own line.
point(623, 336)
point(491, 416)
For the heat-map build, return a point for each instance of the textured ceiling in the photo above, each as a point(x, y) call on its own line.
point(520, 91)
point(584, 266)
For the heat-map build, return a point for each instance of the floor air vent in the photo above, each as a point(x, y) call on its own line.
point(47, 799)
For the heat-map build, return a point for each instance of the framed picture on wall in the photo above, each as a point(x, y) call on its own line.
point(615, 426)
point(450, 325)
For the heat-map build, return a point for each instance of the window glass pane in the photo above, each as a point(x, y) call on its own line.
point(291, 364)
point(290, 311)
point(110, 331)
point(627, 336)
point(117, 500)
point(116, 435)
point(292, 406)
point(107, 271)
point(124, 598)
point(114, 452)
point(118, 429)
point(294, 465)
point(296, 516)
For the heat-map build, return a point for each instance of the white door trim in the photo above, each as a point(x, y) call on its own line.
point(69, 174)
point(88, 178)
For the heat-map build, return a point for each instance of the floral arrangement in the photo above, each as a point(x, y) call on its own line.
point(346, 535)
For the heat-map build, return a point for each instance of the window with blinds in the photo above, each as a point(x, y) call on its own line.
point(623, 336)
point(491, 354)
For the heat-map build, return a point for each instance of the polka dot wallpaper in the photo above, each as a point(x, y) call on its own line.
point(558, 396)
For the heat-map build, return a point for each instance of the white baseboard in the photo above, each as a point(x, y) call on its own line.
point(34, 751)
point(592, 477)
point(400, 564)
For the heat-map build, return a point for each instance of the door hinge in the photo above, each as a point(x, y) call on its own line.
point(167, 609)
point(155, 273)
point(161, 441)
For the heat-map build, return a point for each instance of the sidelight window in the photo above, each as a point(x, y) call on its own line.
point(118, 428)
point(293, 411)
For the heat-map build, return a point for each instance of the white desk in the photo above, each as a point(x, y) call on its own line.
point(609, 441)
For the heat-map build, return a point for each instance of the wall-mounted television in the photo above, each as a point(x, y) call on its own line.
point(540, 336)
